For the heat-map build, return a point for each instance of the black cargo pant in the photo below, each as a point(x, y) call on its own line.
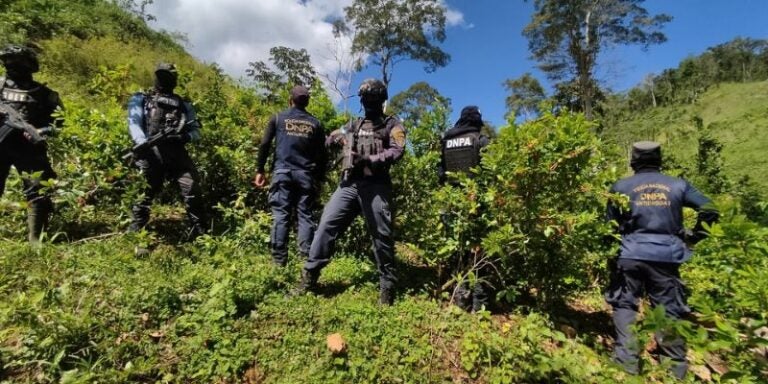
point(170, 163)
point(28, 160)
point(662, 283)
point(289, 189)
point(372, 199)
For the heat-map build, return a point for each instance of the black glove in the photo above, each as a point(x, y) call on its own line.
point(182, 138)
point(359, 161)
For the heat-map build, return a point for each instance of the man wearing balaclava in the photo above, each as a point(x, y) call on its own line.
point(461, 150)
point(654, 243)
point(161, 110)
point(35, 104)
point(298, 168)
point(371, 144)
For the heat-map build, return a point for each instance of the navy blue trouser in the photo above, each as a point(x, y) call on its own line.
point(289, 189)
point(662, 283)
point(373, 200)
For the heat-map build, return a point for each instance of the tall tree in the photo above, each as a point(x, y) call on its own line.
point(566, 37)
point(525, 95)
point(390, 31)
point(416, 101)
point(289, 67)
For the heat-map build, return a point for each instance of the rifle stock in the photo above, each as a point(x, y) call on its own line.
point(12, 119)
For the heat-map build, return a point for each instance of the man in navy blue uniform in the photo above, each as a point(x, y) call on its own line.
point(150, 113)
point(35, 103)
point(371, 144)
point(653, 245)
point(297, 172)
point(461, 146)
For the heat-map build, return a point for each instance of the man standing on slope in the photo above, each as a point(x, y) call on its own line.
point(653, 245)
point(160, 111)
point(371, 145)
point(35, 104)
point(460, 153)
point(297, 171)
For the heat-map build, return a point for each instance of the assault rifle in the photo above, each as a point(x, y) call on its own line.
point(158, 138)
point(12, 119)
point(348, 155)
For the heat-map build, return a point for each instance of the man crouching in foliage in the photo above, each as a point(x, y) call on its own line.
point(461, 147)
point(653, 245)
point(161, 123)
point(31, 105)
point(371, 145)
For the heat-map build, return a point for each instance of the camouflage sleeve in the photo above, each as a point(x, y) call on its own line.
point(396, 147)
point(136, 118)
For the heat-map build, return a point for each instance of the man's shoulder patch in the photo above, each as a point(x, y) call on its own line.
point(398, 135)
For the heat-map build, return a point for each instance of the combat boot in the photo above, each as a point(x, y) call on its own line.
point(386, 296)
point(308, 283)
point(37, 219)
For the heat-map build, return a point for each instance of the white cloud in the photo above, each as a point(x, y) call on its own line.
point(233, 33)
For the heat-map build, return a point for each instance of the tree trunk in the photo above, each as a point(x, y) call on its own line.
point(585, 72)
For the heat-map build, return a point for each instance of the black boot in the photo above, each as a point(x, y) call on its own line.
point(386, 296)
point(37, 218)
point(308, 283)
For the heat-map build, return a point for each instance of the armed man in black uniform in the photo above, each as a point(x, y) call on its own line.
point(371, 145)
point(461, 146)
point(653, 245)
point(161, 113)
point(297, 172)
point(35, 104)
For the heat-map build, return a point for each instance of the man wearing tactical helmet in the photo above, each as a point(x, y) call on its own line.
point(371, 145)
point(161, 110)
point(35, 104)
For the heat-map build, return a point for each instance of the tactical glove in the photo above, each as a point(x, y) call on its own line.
point(360, 161)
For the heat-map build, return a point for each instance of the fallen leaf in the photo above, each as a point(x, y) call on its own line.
point(336, 344)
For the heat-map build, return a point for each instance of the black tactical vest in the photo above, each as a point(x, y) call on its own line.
point(162, 111)
point(35, 105)
point(370, 138)
point(461, 153)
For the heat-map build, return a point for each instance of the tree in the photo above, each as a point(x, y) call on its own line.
point(526, 93)
point(347, 62)
point(292, 67)
point(391, 31)
point(566, 37)
point(413, 103)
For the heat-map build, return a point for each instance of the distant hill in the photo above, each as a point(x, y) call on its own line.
point(736, 114)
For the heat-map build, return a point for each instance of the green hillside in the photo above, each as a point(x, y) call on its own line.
point(736, 114)
point(82, 308)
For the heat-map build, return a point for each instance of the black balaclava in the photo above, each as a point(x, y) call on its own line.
point(646, 155)
point(165, 78)
point(470, 117)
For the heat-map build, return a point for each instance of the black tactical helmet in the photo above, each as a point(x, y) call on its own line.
point(25, 57)
point(646, 154)
point(167, 68)
point(373, 89)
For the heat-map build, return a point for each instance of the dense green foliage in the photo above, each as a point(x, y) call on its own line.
point(81, 308)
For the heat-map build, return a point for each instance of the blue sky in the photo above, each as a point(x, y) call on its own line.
point(490, 48)
point(485, 40)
